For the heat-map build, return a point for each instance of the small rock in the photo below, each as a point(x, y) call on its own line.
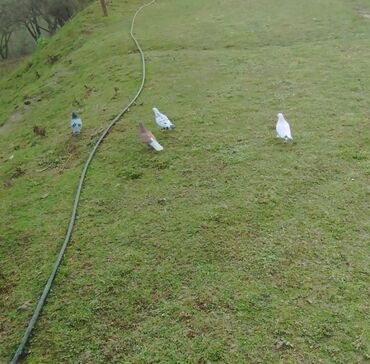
point(185, 316)
point(25, 306)
point(53, 58)
point(283, 344)
point(8, 182)
point(27, 102)
point(38, 130)
point(18, 172)
point(190, 333)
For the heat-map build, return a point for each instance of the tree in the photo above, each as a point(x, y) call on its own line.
point(36, 16)
point(31, 18)
point(60, 11)
point(39, 16)
point(104, 7)
point(7, 27)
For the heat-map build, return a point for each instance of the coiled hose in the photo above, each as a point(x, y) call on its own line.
point(72, 221)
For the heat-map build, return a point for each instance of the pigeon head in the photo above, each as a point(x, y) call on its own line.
point(155, 110)
point(280, 115)
point(74, 115)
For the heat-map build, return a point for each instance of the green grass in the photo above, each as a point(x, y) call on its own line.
point(230, 246)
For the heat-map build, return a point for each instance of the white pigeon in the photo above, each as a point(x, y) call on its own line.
point(76, 124)
point(283, 128)
point(162, 120)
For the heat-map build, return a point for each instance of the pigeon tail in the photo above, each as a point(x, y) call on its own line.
point(155, 145)
point(288, 139)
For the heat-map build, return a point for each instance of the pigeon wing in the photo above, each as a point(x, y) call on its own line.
point(283, 129)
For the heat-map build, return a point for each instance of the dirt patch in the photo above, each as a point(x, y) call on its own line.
point(58, 76)
point(365, 13)
point(13, 119)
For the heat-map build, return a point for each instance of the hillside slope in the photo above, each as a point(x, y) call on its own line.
point(230, 246)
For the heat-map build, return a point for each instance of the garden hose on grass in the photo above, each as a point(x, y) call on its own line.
point(42, 299)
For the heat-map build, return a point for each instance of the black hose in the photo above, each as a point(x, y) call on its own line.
point(72, 221)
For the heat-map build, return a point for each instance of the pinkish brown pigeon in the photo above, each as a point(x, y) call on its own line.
point(148, 138)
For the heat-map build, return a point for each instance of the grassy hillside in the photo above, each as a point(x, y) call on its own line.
point(230, 246)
